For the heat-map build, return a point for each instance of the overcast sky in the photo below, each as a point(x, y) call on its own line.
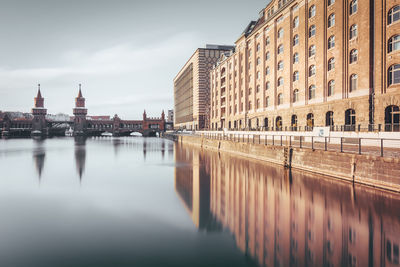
point(124, 52)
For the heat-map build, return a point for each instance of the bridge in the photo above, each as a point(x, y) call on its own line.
point(79, 125)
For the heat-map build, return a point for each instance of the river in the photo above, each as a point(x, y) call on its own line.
point(152, 202)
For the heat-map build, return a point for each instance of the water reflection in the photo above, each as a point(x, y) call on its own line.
point(39, 154)
point(80, 155)
point(279, 218)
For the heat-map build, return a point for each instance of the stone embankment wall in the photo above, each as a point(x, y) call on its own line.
point(369, 170)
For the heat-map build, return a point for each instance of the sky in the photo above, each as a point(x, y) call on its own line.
point(125, 53)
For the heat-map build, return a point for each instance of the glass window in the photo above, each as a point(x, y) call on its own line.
point(296, 58)
point(280, 99)
point(311, 92)
point(394, 43)
point(267, 85)
point(353, 31)
point(311, 70)
point(331, 64)
point(311, 51)
point(311, 11)
point(280, 65)
point(353, 82)
point(295, 95)
point(267, 101)
point(353, 56)
point(311, 31)
point(267, 71)
point(296, 22)
point(331, 2)
point(267, 56)
point(331, 42)
point(394, 14)
point(295, 40)
point(394, 74)
point(258, 61)
point(280, 33)
point(331, 20)
point(353, 7)
point(331, 87)
point(280, 81)
point(295, 76)
point(280, 49)
point(258, 47)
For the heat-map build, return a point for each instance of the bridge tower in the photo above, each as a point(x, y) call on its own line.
point(39, 126)
point(80, 113)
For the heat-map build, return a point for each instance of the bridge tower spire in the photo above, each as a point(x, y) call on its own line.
point(80, 113)
point(39, 126)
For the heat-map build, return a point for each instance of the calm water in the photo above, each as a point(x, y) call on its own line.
point(150, 202)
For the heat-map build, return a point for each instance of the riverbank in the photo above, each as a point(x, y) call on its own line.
point(375, 171)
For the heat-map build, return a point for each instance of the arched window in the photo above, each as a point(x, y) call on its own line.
point(394, 14)
point(331, 42)
point(258, 61)
point(310, 121)
point(266, 123)
point(267, 71)
point(353, 82)
point(267, 101)
point(331, 87)
point(267, 85)
point(280, 33)
point(394, 74)
point(311, 51)
point(296, 58)
point(353, 56)
point(311, 11)
point(258, 104)
point(311, 92)
point(258, 75)
point(353, 7)
point(280, 49)
point(353, 31)
point(311, 31)
point(258, 46)
point(331, 64)
point(294, 122)
point(350, 119)
point(267, 41)
point(295, 76)
point(331, 20)
point(331, 2)
point(311, 70)
point(258, 88)
point(394, 43)
point(329, 119)
point(267, 56)
point(250, 107)
point(280, 81)
point(295, 95)
point(392, 118)
point(280, 99)
point(296, 22)
point(278, 123)
point(280, 65)
point(295, 40)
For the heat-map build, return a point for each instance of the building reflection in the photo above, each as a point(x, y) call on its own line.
point(80, 155)
point(289, 220)
point(39, 155)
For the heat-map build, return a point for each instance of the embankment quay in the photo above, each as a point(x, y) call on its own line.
point(368, 159)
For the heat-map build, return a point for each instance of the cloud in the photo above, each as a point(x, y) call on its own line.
point(135, 76)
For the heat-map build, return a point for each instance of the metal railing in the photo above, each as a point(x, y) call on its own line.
point(382, 147)
point(393, 127)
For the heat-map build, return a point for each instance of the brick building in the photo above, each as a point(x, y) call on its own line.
point(192, 88)
point(312, 63)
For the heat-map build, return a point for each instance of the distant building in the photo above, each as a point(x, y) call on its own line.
point(192, 87)
point(58, 117)
point(170, 117)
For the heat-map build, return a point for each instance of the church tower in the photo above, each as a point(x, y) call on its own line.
point(80, 113)
point(39, 126)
